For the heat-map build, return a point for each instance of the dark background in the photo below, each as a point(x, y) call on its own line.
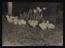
point(54, 9)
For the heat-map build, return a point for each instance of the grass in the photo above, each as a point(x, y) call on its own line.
point(26, 34)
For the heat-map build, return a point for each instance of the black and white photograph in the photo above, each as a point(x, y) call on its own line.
point(32, 24)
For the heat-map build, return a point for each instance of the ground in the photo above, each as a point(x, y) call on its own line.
point(26, 36)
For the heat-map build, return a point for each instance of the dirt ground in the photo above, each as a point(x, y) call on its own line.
point(14, 35)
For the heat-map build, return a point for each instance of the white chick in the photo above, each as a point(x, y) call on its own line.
point(51, 26)
point(43, 25)
point(9, 19)
point(22, 22)
point(33, 23)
